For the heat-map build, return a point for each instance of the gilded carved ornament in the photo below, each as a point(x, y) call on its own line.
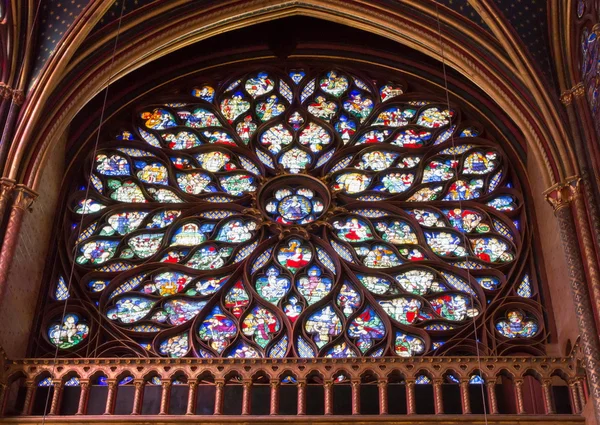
point(24, 197)
point(566, 97)
point(561, 194)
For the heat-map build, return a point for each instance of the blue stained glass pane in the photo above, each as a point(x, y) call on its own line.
point(62, 292)
point(423, 380)
point(73, 382)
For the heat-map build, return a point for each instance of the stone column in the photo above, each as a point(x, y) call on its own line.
point(165, 397)
point(192, 398)
point(219, 390)
point(301, 397)
point(111, 397)
point(548, 401)
point(83, 397)
point(274, 404)
point(575, 399)
point(411, 403)
point(355, 397)
point(491, 393)
point(328, 391)
point(246, 397)
point(438, 400)
point(138, 397)
point(464, 396)
point(56, 398)
point(519, 396)
point(560, 197)
point(23, 198)
point(383, 396)
point(29, 395)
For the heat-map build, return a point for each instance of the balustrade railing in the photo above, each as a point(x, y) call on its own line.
point(296, 387)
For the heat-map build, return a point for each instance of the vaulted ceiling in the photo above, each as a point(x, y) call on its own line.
point(528, 18)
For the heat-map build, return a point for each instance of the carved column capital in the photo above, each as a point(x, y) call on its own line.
point(24, 197)
point(561, 194)
point(566, 97)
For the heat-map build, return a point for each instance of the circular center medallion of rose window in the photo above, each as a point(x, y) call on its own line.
point(294, 199)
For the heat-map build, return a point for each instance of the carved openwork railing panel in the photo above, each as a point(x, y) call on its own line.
point(517, 385)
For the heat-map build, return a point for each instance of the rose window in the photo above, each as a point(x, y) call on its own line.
point(296, 214)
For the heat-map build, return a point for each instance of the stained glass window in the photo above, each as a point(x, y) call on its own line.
point(296, 214)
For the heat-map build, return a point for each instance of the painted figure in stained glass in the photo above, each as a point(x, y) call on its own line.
point(411, 138)
point(207, 286)
point(378, 257)
point(315, 137)
point(463, 220)
point(246, 128)
point(417, 281)
point(367, 327)
point(275, 138)
point(272, 286)
point(353, 230)
point(167, 283)
point(408, 345)
point(153, 172)
point(202, 118)
point(480, 163)
point(183, 140)
point(394, 117)
point(206, 93)
point(397, 182)
point(439, 171)
point(188, 235)
point(294, 256)
point(314, 286)
point(209, 258)
point(358, 105)
point(97, 252)
point(352, 182)
point(126, 222)
point(389, 91)
point(348, 299)
point(236, 231)
point(259, 85)
point(215, 161)
point(377, 160)
point(517, 325)
point(334, 84)
point(238, 184)
point(397, 232)
point(323, 109)
point(491, 250)
point(270, 108)
point(234, 106)
point(463, 191)
point(180, 311)
point(237, 299)
point(159, 119)
point(451, 306)
point(130, 309)
point(376, 284)
point(113, 165)
point(126, 191)
point(445, 244)
point(404, 310)
point(217, 330)
point(261, 324)
point(346, 128)
point(68, 334)
point(175, 346)
point(292, 309)
point(434, 118)
point(323, 325)
point(295, 160)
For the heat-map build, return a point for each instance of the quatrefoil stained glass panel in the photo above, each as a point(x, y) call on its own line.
point(296, 214)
